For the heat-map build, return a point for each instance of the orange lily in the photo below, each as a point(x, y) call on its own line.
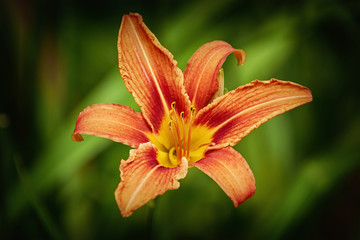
point(181, 126)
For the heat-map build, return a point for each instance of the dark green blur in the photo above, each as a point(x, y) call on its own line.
point(60, 56)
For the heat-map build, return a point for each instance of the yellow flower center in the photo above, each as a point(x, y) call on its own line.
point(178, 138)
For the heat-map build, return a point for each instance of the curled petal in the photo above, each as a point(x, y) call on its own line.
point(113, 121)
point(230, 171)
point(142, 179)
point(201, 73)
point(150, 72)
point(234, 115)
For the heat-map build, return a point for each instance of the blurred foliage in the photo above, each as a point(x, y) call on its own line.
point(59, 57)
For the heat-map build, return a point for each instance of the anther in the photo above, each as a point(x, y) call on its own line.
point(192, 110)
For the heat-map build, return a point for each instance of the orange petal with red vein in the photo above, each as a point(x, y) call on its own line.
point(237, 113)
point(150, 72)
point(201, 73)
point(230, 171)
point(143, 179)
point(113, 121)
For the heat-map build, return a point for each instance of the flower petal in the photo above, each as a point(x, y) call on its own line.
point(142, 179)
point(202, 70)
point(238, 112)
point(149, 71)
point(113, 121)
point(230, 171)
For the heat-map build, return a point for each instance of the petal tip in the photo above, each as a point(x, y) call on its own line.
point(130, 15)
point(251, 192)
point(76, 137)
point(123, 211)
point(240, 56)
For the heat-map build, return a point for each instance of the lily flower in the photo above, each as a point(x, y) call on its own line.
point(182, 124)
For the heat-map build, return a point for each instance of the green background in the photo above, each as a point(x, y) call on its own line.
point(60, 56)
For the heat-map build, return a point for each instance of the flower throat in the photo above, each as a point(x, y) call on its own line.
point(177, 128)
point(188, 141)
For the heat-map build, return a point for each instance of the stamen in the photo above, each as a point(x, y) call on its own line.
point(182, 141)
point(192, 110)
